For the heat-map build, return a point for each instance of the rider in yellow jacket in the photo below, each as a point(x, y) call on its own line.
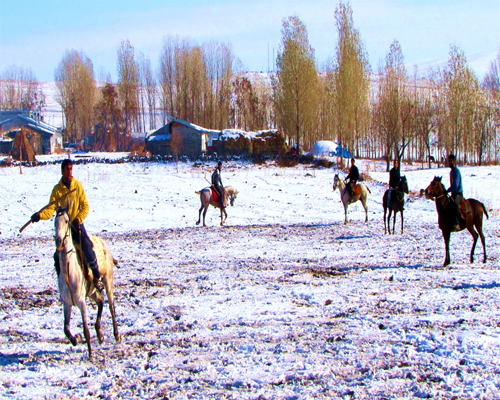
point(78, 209)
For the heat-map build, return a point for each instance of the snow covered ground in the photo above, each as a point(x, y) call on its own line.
point(285, 302)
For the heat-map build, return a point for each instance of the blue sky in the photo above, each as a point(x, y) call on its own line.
point(36, 33)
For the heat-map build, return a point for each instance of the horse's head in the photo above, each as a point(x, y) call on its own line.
point(403, 185)
point(232, 193)
point(62, 228)
point(435, 189)
point(336, 182)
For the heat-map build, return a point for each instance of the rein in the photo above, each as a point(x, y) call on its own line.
point(65, 265)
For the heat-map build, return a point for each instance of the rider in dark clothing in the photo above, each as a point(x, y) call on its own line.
point(217, 183)
point(456, 190)
point(352, 178)
point(394, 178)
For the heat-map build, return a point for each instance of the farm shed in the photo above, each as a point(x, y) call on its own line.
point(179, 137)
point(265, 143)
point(43, 138)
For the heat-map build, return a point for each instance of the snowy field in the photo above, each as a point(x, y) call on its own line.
point(284, 302)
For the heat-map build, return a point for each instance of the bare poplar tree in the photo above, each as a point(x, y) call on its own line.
point(350, 80)
point(394, 105)
point(296, 83)
point(458, 91)
point(76, 91)
point(109, 118)
point(128, 83)
point(20, 90)
point(219, 60)
point(147, 93)
point(167, 75)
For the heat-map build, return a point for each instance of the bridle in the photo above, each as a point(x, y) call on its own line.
point(60, 248)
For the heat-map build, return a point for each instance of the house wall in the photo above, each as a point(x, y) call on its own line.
point(191, 140)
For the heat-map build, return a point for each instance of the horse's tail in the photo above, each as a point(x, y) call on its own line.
point(367, 188)
point(198, 192)
point(485, 211)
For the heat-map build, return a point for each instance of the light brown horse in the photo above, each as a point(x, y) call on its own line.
point(74, 287)
point(206, 199)
point(446, 210)
point(360, 193)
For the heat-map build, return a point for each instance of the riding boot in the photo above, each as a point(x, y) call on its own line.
point(97, 275)
point(456, 221)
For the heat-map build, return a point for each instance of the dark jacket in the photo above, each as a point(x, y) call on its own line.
point(216, 179)
point(353, 174)
point(456, 182)
point(394, 178)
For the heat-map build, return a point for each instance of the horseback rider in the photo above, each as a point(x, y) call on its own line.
point(394, 178)
point(217, 183)
point(456, 190)
point(353, 177)
point(78, 211)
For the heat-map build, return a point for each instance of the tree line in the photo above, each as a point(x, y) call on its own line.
point(391, 112)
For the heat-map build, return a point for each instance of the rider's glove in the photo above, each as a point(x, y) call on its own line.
point(35, 217)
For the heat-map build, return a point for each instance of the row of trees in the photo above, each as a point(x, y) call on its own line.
point(20, 90)
point(392, 116)
point(388, 113)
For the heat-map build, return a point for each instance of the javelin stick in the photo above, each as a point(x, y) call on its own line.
point(47, 206)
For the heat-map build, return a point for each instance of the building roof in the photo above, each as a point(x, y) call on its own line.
point(160, 132)
point(38, 126)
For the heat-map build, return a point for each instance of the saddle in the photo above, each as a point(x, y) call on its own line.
point(357, 189)
point(464, 209)
point(215, 196)
point(87, 272)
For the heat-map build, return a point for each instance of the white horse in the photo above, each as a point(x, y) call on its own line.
point(206, 198)
point(73, 285)
point(360, 193)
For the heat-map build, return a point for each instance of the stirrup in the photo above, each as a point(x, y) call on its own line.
point(98, 284)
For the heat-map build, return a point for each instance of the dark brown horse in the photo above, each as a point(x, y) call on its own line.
point(397, 204)
point(446, 211)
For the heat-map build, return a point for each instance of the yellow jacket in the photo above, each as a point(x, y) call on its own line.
point(78, 207)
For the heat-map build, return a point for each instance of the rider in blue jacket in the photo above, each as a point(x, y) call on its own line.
point(456, 190)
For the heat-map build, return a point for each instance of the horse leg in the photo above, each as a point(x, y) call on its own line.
point(402, 219)
point(475, 235)
point(394, 223)
point(385, 226)
point(345, 213)
point(97, 297)
point(446, 237)
point(83, 310)
point(67, 320)
point(205, 213)
point(222, 217)
point(365, 206)
point(483, 241)
point(111, 302)
point(199, 215)
point(479, 228)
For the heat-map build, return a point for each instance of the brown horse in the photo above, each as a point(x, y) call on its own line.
point(206, 199)
point(397, 204)
point(446, 210)
point(360, 193)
